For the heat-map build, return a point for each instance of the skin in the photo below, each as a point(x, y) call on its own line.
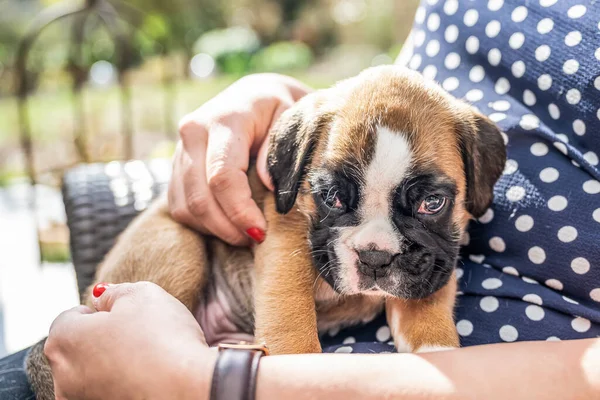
point(113, 351)
point(141, 328)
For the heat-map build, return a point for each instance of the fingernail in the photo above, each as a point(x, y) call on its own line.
point(257, 234)
point(99, 289)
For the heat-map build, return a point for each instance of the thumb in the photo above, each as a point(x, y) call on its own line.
point(261, 165)
point(123, 293)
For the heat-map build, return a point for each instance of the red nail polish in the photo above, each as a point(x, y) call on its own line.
point(99, 289)
point(257, 234)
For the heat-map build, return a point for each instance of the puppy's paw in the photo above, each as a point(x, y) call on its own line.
point(433, 349)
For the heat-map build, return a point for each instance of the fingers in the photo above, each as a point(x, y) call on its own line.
point(227, 165)
point(191, 200)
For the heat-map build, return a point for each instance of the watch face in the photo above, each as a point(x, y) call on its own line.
point(244, 346)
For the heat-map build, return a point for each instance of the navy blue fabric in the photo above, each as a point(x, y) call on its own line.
point(531, 269)
point(13, 381)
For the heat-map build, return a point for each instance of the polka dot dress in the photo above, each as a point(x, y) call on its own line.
point(531, 269)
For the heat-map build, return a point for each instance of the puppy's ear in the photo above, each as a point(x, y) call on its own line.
point(293, 140)
point(484, 156)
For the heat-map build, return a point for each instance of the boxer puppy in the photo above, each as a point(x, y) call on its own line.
point(375, 182)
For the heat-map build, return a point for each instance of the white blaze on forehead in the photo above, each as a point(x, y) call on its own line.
point(388, 168)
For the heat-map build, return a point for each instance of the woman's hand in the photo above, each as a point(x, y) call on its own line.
point(209, 190)
point(142, 343)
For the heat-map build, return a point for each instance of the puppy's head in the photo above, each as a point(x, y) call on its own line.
point(389, 169)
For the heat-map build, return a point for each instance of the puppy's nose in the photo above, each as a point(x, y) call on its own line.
point(374, 262)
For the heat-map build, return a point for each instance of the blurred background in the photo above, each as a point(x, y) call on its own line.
point(108, 80)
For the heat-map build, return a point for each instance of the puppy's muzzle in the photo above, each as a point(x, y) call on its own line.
point(378, 263)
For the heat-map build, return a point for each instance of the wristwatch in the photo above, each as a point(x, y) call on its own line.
point(234, 376)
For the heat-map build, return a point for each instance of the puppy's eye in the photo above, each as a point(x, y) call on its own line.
point(332, 200)
point(432, 205)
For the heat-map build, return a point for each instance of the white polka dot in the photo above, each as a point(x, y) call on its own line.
point(542, 53)
point(334, 331)
point(539, 149)
point(510, 167)
point(474, 95)
point(596, 215)
point(570, 67)
point(497, 117)
point(573, 96)
point(567, 234)
point(415, 61)
point(504, 137)
point(553, 111)
point(581, 324)
point(547, 3)
point(502, 86)
point(497, 244)
point(487, 217)
point(579, 127)
point(554, 284)
point(471, 17)
point(519, 14)
point(509, 333)
point(544, 82)
point(518, 69)
point(433, 22)
point(545, 26)
point(561, 147)
point(450, 83)
point(595, 294)
point(491, 283)
point(529, 97)
point(516, 40)
point(529, 280)
point(597, 82)
point(557, 203)
point(591, 157)
point(524, 223)
point(452, 61)
point(383, 334)
point(553, 339)
point(477, 74)
point(536, 255)
point(432, 48)
point(477, 258)
point(549, 175)
point(450, 7)
point(573, 38)
point(576, 11)
point(464, 327)
point(510, 271)
point(533, 298)
point(420, 15)
point(492, 29)
point(562, 137)
point(419, 38)
point(495, 5)
point(580, 265)
point(459, 273)
point(597, 53)
point(430, 72)
point(494, 57)
point(569, 300)
point(500, 105)
point(591, 187)
point(349, 340)
point(344, 349)
point(472, 45)
point(489, 304)
point(515, 193)
point(534, 312)
point(432, 2)
point(451, 33)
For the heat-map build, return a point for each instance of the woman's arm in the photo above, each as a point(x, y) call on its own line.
point(526, 370)
point(145, 344)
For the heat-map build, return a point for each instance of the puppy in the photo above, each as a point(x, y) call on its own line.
point(375, 182)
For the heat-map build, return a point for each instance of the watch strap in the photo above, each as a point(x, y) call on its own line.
point(236, 369)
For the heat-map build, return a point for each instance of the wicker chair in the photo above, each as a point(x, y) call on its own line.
point(100, 201)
